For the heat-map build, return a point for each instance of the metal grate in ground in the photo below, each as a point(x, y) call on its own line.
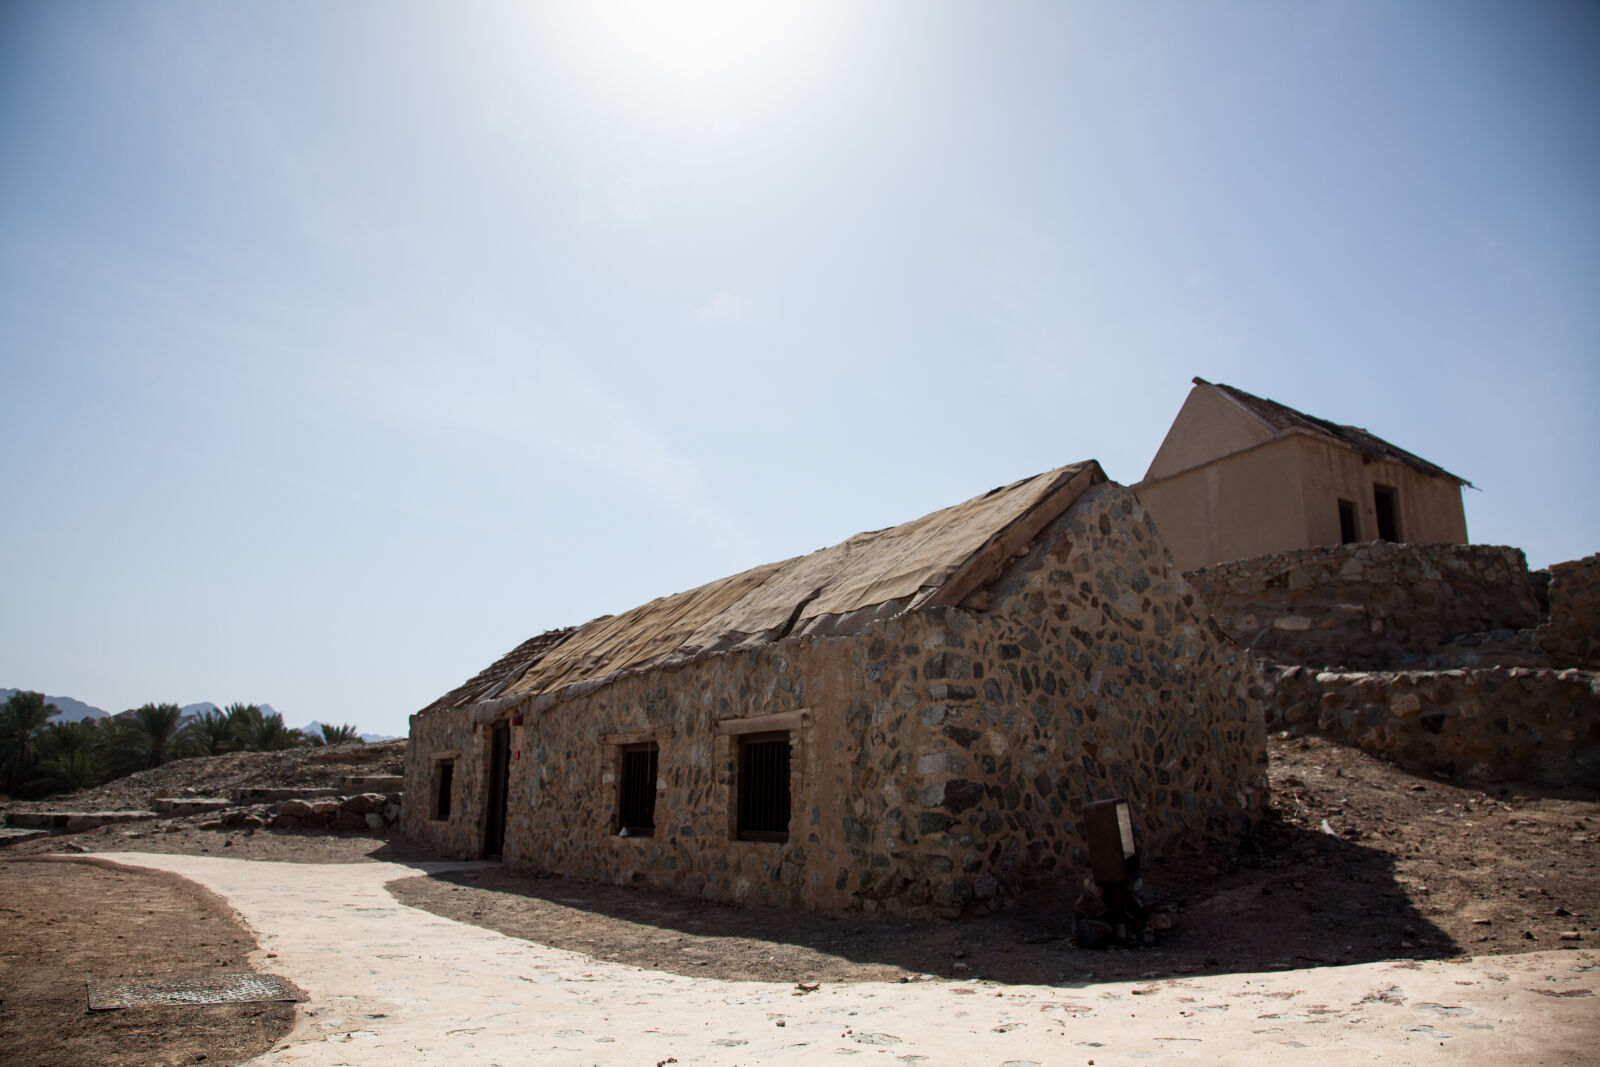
point(109, 994)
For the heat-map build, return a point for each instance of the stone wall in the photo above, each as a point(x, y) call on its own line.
point(454, 736)
point(364, 811)
point(1519, 723)
point(939, 760)
point(1373, 604)
point(1571, 635)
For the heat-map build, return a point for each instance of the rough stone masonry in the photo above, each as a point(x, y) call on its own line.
point(939, 757)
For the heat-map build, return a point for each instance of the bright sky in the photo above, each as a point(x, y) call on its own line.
point(345, 346)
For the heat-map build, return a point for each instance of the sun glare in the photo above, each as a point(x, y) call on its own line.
point(687, 49)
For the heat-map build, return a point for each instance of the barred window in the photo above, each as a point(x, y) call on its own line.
point(637, 802)
point(763, 787)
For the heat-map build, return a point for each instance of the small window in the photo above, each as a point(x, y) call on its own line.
point(763, 786)
point(444, 775)
point(638, 800)
point(1386, 503)
point(1347, 523)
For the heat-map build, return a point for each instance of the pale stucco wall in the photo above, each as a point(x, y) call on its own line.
point(1430, 508)
point(1208, 426)
point(1285, 494)
point(1245, 504)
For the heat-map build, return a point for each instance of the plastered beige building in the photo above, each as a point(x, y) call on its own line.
point(909, 721)
point(1240, 476)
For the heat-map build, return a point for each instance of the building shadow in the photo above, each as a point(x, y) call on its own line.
point(1283, 899)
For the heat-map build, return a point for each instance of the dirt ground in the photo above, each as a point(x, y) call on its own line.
point(63, 924)
point(1359, 861)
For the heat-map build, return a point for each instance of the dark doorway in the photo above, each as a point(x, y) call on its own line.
point(1387, 505)
point(443, 786)
point(1347, 523)
point(494, 833)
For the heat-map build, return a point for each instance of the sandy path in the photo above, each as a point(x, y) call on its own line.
point(392, 985)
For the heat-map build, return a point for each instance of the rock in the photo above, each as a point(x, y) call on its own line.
point(325, 809)
point(941, 763)
point(1090, 933)
point(374, 820)
point(1405, 704)
point(362, 803)
point(348, 820)
point(287, 822)
point(296, 809)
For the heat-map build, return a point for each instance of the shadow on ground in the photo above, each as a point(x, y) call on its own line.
point(1284, 899)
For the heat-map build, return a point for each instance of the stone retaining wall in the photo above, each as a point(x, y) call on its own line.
point(1374, 604)
point(1571, 636)
point(939, 760)
point(364, 811)
point(1529, 725)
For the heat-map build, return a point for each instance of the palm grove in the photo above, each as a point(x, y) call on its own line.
point(39, 757)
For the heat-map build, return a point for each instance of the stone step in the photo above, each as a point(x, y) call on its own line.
point(9, 836)
point(266, 795)
point(374, 783)
point(189, 805)
point(71, 821)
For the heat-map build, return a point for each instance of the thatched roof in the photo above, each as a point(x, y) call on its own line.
point(943, 558)
point(493, 678)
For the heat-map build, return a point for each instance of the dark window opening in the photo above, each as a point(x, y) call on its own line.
point(1386, 502)
point(763, 786)
point(444, 781)
point(640, 764)
point(1347, 523)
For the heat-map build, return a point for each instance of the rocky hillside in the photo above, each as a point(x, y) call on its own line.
point(218, 775)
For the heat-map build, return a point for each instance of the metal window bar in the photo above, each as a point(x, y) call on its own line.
point(764, 787)
point(640, 764)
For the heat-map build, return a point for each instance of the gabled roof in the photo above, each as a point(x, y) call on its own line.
point(1284, 419)
point(942, 558)
point(489, 681)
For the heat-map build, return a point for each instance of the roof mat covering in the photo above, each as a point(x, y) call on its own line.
point(941, 558)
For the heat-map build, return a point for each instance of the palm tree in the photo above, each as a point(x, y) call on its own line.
point(69, 757)
point(72, 771)
point(144, 737)
point(22, 720)
point(335, 735)
point(243, 721)
point(257, 732)
point(208, 734)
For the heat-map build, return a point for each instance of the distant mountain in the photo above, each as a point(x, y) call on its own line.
point(70, 710)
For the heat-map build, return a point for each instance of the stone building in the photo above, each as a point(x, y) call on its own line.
point(908, 721)
point(1238, 476)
